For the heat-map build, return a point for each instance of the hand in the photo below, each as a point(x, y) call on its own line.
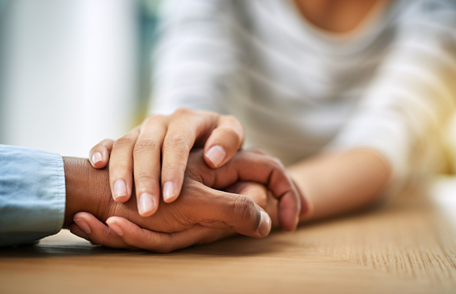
point(87, 189)
point(257, 166)
point(251, 164)
point(124, 234)
point(170, 137)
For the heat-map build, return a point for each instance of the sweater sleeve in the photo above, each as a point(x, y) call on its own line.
point(413, 94)
point(196, 58)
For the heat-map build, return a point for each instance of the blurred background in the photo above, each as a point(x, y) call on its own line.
point(73, 72)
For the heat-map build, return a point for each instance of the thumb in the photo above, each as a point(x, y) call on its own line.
point(239, 212)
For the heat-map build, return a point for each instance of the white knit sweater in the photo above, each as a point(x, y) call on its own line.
point(390, 85)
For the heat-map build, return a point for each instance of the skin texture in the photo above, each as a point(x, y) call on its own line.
point(251, 167)
point(199, 204)
point(338, 183)
point(120, 233)
point(157, 153)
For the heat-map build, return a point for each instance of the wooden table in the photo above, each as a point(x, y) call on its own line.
point(407, 247)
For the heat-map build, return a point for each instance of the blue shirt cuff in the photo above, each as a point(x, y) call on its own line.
point(32, 194)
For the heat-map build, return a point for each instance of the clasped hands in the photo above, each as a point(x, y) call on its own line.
point(213, 195)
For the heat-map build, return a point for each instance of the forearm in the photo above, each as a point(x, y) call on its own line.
point(340, 183)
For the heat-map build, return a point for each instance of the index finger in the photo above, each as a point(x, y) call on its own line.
point(185, 128)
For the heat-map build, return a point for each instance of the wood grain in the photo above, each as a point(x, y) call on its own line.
point(406, 247)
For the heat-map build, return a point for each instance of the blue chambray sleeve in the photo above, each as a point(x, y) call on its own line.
point(32, 194)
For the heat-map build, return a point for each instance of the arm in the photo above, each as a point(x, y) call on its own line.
point(37, 197)
point(394, 136)
point(338, 183)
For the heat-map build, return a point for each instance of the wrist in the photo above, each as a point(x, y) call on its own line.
point(338, 183)
point(87, 189)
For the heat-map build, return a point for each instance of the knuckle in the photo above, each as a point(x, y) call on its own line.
point(230, 129)
point(232, 133)
point(106, 142)
point(174, 167)
point(183, 111)
point(144, 178)
point(146, 145)
point(124, 141)
point(244, 208)
point(235, 123)
point(277, 162)
point(155, 118)
point(231, 119)
point(177, 141)
point(163, 244)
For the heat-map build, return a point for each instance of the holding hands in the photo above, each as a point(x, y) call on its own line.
point(157, 151)
point(219, 189)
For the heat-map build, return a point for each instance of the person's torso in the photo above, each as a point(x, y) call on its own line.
point(303, 83)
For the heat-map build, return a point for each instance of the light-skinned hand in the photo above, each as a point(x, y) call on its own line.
point(157, 151)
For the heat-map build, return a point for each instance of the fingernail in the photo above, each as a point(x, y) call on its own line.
point(168, 191)
point(265, 224)
point(120, 189)
point(146, 203)
point(96, 157)
point(83, 225)
point(115, 227)
point(216, 155)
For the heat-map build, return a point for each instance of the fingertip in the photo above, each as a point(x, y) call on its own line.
point(147, 205)
point(265, 225)
point(119, 191)
point(114, 225)
point(97, 160)
point(83, 225)
point(113, 219)
point(98, 165)
point(289, 223)
point(287, 220)
point(215, 156)
point(289, 211)
point(81, 215)
point(169, 192)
